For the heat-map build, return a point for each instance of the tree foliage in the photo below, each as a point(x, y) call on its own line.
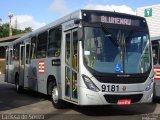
point(4, 30)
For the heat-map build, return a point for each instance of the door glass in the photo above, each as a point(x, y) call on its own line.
point(68, 49)
point(74, 64)
point(10, 60)
point(75, 43)
point(7, 57)
point(22, 61)
point(27, 54)
point(74, 85)
point(67, 68)
point(67, 81)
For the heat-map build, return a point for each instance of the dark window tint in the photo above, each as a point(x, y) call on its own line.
point(42, 45)
point(27, 54)
point(68, 48)
point(2, 52)
point(16, 48)
point(54, 42)
point(75, 52)
point(33, 48)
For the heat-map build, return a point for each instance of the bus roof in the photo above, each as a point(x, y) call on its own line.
point(71, 16)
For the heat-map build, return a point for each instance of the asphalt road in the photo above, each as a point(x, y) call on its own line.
point(32, 105)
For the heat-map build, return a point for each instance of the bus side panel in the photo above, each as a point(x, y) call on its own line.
point(32, 75)
point(39, 71)
point(52, 68)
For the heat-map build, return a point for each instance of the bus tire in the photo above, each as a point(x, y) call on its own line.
point(57, 103)
point(19, 88)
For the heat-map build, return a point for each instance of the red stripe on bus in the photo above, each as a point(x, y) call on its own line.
point(156, 67)
point(156, 78)
point(41, 72)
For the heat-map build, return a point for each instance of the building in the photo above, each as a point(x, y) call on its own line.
point(152, 15)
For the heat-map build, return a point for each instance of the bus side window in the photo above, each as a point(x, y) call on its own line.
point(42, 45)
point(54, 45)
point(33, 48)
point(16, 51)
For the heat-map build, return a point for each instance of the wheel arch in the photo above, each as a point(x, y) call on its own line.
point(51, 78)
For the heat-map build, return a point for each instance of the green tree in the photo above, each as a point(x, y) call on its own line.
point(28, 29)
point(4, 30)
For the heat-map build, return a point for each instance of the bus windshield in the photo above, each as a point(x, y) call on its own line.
point(116, 50)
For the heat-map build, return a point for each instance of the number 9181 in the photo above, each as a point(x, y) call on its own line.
point(110, 88)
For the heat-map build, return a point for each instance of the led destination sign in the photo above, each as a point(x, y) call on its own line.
point(116, 20)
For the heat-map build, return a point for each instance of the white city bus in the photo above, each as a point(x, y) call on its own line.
point(156, 61)
point(88, 57)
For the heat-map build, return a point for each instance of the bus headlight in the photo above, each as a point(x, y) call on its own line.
point(149, 86)
point(89, 83)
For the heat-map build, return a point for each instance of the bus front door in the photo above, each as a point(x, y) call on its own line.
point(24, 64)
point(71, 65)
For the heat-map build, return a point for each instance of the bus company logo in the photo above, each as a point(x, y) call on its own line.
point(124, 88)
point(41, 66)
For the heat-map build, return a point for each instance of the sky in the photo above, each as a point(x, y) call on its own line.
point(37, 13)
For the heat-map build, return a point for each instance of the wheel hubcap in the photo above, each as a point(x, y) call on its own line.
point(55, 95)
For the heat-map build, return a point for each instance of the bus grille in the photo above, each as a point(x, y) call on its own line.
point(114, 98)
point(121, 80)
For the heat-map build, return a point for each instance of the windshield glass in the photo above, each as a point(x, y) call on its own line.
point(116, 50)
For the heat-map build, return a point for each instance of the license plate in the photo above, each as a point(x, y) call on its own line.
point(124, 102)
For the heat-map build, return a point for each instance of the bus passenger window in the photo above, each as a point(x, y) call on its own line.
point(54, 46)
point(16, 51)
point(33, 48)
point(42, 45)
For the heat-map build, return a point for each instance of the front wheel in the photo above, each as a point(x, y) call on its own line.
point(57, 103)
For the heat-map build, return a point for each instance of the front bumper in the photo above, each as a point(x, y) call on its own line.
point(88, 97)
